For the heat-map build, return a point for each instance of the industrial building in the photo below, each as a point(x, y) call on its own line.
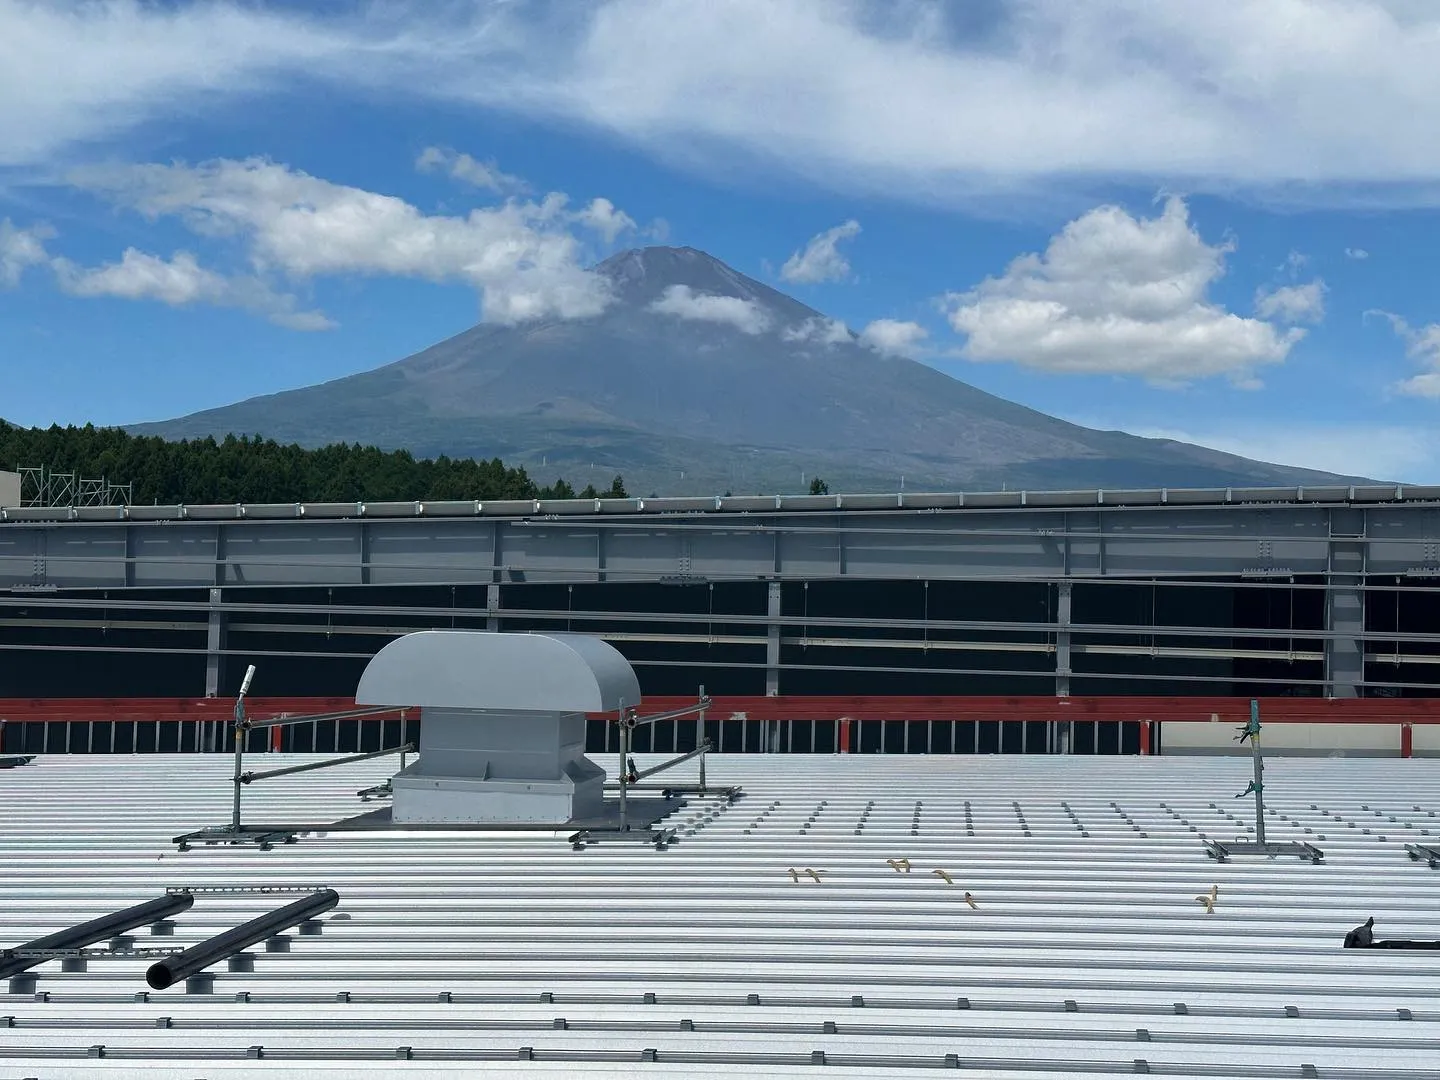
point(785, 608)
point(504, 902)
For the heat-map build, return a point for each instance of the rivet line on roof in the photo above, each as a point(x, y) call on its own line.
point(790, 1002)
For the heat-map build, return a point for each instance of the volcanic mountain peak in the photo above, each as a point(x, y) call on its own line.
point(698, 379)
point(642, 276)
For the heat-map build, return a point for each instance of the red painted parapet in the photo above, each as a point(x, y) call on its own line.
point(201, 709)
point(1276, 710)
point(1235, 710)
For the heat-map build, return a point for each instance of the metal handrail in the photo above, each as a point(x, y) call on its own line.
point(251, 777)
point(250, 723)
point(703, 748)
point(630, 720)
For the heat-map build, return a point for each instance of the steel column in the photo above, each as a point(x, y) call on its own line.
point(492, 608)
point(1062, 640)
point(772, 639)
point(214, 645)
point(1345, 605)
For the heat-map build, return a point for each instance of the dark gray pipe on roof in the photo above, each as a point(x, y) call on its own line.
point(77, 937)
point(168, 972)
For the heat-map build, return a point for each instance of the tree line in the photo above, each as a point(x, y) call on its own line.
point(252, 469)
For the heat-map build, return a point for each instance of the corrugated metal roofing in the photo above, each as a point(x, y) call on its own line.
point(1087, 952)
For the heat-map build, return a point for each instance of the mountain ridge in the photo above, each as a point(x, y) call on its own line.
point(698, 379)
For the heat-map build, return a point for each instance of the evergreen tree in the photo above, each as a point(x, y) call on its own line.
point(253, 469)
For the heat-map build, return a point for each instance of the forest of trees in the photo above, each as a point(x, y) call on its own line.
point(257, 470)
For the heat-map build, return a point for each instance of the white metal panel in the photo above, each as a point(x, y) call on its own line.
point(1086, 952)
point(1378, 740)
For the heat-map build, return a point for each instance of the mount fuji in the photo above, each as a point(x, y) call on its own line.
point(696, 379)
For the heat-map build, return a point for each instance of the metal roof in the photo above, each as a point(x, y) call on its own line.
point(1115, 498)
point(1087, 952)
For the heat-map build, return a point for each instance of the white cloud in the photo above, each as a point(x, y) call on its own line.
point(482, 174)
point(138, 276)
point(521, 256)
point(891, 337)
point(1269, 95)
point(602, 217)
point(821, 331)
point(1424, 385)
point(71, 72)
point(1358, 254)
point(21, 249)
point(684, 303)
point(1258, 94)
point(1120, 295)
point(1382, 452)
point(1422, 344)
point(820, 259)
point(180, 281)
point(1292, 303)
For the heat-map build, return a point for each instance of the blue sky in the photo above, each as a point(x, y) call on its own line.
point(1211, 221)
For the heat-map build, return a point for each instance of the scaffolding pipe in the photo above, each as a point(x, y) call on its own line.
point(251, 777)
point(253, 724)
point(1259, 771)
point(240, 735)
point(167, 972)
point(77, 937)
point(631, 720)
point(700, 735)
point(703, 748)
point(239, 765)
point(624, 774)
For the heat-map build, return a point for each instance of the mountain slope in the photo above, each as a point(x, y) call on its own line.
point(698, 379)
